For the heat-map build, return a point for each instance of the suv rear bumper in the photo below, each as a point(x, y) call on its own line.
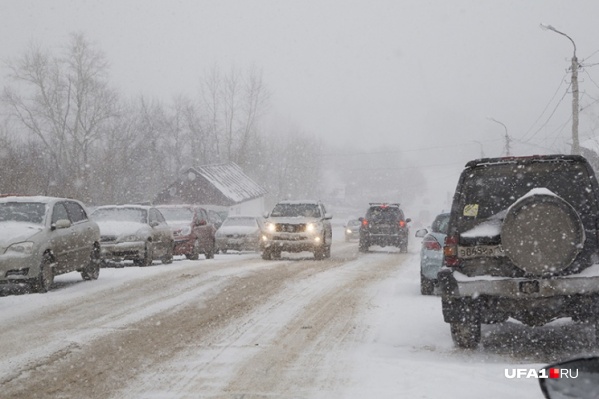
point(489, 299)
point(458, 284)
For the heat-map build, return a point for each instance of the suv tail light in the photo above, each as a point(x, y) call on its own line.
point(402, 224)
point(364, 223)
point(450, 251)
point(431, 244)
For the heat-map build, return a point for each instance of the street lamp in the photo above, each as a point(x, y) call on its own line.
point(575, 142)
point(507, 137)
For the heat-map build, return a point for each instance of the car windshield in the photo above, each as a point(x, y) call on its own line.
point(30, 212)
point(120, 214)
point(251, 222)
point(296, 210)
point(440, 224)
point(177, 214)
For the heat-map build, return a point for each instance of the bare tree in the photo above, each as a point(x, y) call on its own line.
point(64, 101)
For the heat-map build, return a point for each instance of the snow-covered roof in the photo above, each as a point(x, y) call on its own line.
point(230, 180)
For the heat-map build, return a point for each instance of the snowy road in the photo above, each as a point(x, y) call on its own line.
point(353, 326)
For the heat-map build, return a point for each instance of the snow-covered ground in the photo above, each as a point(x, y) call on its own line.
point(354, 326)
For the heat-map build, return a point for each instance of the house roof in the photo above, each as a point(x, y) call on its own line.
point(230, 180)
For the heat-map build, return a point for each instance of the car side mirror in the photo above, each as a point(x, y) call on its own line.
point(154, 224)
point(577, 378)
point(201, 222)
point(265, 215)
point(328, 216)
point(61, 224)
point(408, 220)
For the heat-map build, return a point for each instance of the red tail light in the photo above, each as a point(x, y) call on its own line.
point(402, 223)
point(450, 251)
point(431, 244)
point(364, 223)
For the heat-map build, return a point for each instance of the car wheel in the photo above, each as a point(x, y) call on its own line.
point(148, 256)
point(195, 254)
point(210, 252)
point(46, 277)
point(92, 270)
point(168, 258)
point(465, 334)
point(427, 287)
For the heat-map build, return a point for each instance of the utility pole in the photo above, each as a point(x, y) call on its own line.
point(482, 153)
point(575, 94)
point(507, 137)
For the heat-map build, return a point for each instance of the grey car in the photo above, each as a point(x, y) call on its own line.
point(431, 252)
point(134, 232)
point(41, 237)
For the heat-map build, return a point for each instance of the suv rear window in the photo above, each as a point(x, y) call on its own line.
point(490, 189)
point(384, 214)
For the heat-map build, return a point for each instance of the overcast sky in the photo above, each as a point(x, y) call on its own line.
point(415, 74)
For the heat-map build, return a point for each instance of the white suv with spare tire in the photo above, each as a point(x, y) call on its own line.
point(522, 242)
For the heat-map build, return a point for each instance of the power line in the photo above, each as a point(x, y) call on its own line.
point(561, 82)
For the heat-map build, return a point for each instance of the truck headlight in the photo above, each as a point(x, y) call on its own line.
point(270, 227)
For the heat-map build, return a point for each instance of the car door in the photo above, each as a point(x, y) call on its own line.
point(204, 228)
point(62, 240)
point(161, 232)
point(84, 232)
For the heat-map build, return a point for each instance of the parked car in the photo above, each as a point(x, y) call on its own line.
point(431, 252)
point(134, 232)
point(192, 229)
point(351, 229)
point(41, 237)
point(215, 218)
point(239, 233)
point(521, 242)
point(384, 225)
point(296, 226)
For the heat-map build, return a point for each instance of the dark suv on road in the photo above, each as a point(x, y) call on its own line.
point(522, 240)
point(384, 225)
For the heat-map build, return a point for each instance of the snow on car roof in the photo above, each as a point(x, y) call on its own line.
point(33, 198)
point(297, 202)
point(137, 206)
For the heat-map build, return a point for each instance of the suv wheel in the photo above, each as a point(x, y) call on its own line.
point(465, 334)
point(267, 254)
point(363, 245)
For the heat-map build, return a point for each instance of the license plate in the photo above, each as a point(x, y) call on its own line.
point(480, 251)
point(529, 287)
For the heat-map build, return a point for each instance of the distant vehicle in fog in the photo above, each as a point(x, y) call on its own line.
point(192, 229)
point(431, 252)
point(351, 229)
point(239, 233)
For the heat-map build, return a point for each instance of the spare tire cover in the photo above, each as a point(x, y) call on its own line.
point(542, 234)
